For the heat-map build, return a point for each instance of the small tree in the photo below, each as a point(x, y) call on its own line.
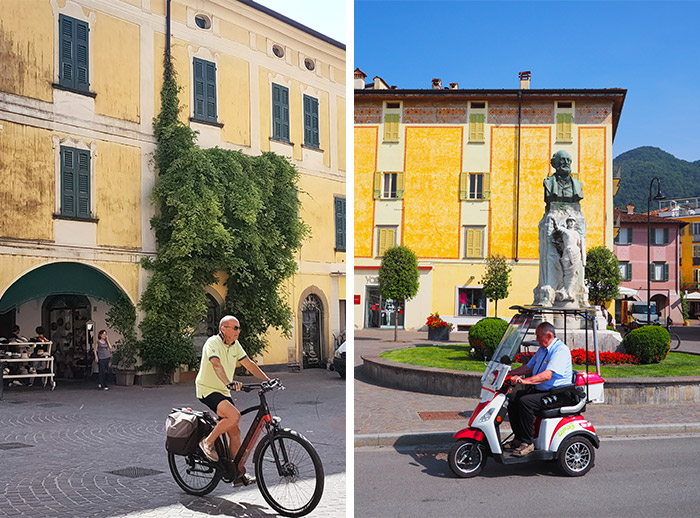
point(684, 308)
point(496, 279)
point(122, 318)
point(398, 278)
point(603, 275)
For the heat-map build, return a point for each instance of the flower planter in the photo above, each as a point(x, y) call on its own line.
point(441, 334)
point(124, 377)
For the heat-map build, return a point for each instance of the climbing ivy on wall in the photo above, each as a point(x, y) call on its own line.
point(217, 210)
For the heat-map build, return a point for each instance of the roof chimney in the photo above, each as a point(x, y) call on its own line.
point(437, 84)
point(359, 82)
point(630, 208)
point(524, 80)
point(454, 86)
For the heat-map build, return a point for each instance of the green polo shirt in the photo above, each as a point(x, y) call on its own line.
point(207, 381)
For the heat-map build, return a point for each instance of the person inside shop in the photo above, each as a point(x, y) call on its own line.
point(549, 368)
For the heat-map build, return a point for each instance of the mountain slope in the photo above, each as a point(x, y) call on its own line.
point(679, 178)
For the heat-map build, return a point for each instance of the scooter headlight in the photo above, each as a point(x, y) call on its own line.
point(487, 415)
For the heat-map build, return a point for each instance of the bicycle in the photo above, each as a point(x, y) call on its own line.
point(287, 467)
point(674, 339)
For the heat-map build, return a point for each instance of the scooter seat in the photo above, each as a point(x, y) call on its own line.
point(563, 402)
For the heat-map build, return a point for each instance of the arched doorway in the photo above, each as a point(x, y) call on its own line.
point(64, 318)
point(312, 323)
point(661, 305)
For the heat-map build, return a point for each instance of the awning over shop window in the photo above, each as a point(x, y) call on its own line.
point(59, 279)
point(695, 296)
point(627, 293)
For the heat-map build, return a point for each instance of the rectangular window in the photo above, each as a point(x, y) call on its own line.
point(474, 242)
point(659, 271)
point(626, 271)
point(204, 90)
point(73, 55)
point(391, 127)
point(388, 186)
point(75, 182)
point(696, 255)
point(280, 112)
point(471, 302)
point(386, 238)
point(474, 186)
point(696, 277)
point(477, 125)
point(696, 232)
point(311, 121)
point(624, 237)
point(339, 223)
point(659, 236)
point(564, 127)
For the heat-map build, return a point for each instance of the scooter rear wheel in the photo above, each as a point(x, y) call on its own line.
point(467, 458)
point(577, 456)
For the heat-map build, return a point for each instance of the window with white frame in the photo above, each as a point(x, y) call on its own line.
point(659, 271)
point(696, 232)
point(626, 270)
point(659, 236)
point(696, 255)
point(624, 237)
point(696, 276)
point(388, 185)
point(471, 302)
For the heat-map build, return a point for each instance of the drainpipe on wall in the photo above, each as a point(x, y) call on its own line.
point(517, 181)
point(167, 33)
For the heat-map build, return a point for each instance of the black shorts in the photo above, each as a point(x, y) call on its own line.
point(213, 400)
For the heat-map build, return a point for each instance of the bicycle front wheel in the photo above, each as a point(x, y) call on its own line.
point(289, 472)
point(193, 474)
point(675, 341)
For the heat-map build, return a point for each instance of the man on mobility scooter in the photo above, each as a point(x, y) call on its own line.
point(549, 368)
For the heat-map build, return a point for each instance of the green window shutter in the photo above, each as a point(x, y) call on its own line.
point(378, 184)
point(68, 180)
point(666, 236)
point(463, 185)
point(391, 127)
point(564, 127)
point(340, 224)
point(204, 90)
point(665, 271)
point(311, 121)
point(487, 186)
point(81, 56)
point(399, 185)
point(83, 184)
point(629, 272)
point(477, 122)
point(73, 53)
point(280, 112)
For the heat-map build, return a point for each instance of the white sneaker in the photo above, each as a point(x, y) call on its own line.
point(209, 451)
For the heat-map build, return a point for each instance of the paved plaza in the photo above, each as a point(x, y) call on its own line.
point(80, 452)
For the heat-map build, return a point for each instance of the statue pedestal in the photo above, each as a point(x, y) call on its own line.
point(608, 341)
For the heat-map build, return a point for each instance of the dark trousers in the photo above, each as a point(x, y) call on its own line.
point(103, 371)
point(521, 412)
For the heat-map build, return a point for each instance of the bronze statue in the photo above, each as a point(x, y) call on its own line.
point(561, 186)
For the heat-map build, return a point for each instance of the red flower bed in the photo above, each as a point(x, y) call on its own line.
point(578, 357)
point(435, 322)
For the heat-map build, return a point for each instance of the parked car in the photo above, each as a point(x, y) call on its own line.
point(339, 360)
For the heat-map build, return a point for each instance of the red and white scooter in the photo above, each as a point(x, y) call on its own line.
point(561, 433)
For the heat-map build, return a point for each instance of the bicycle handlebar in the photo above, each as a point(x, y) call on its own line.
point(264, 386)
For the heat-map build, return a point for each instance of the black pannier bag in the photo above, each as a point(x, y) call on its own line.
point(183, 430)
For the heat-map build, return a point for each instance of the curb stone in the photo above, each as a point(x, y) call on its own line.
point(439, 438)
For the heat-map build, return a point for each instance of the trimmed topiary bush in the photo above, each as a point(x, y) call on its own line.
point(650, 344)
point(485, 335)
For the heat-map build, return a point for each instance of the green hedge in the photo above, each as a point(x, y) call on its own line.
point(650, 344)
point(486, 334)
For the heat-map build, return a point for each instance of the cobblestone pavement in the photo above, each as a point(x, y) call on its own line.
point(59, 450)
point(381, 410)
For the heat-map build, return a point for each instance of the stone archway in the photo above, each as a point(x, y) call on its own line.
point(312, 328)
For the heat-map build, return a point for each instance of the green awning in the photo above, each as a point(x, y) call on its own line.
point(59, 279)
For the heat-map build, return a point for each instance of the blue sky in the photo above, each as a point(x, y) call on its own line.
point(325, 16)
point(651, 48)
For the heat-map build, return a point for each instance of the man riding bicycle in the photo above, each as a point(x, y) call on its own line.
point(220, 355)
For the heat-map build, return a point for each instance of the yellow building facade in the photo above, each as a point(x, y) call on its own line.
point(688, 210)
point(456, 175)
point(77, 101)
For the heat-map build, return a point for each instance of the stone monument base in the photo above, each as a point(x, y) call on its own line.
point(608, 341)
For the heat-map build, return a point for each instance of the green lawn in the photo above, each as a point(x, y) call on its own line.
point(456, 357)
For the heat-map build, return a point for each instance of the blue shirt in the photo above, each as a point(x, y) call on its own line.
point(556, 357)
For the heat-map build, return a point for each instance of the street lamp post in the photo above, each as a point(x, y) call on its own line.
point(657, 197)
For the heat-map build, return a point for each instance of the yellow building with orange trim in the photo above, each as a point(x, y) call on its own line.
point(78, 94)
point(456, 175)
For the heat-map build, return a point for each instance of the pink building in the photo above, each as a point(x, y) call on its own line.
point(631, 251)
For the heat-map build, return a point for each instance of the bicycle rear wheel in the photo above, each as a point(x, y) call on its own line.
point(675, 341)
point(289, 472)
point(193, 473)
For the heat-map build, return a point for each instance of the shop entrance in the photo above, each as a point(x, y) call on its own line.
point(381, 312)
point(64, 318)
point(311, 319)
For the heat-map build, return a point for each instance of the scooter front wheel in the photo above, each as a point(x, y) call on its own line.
point(467, 458)
point(577, 456)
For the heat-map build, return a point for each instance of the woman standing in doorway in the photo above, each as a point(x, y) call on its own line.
point(103, 354)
